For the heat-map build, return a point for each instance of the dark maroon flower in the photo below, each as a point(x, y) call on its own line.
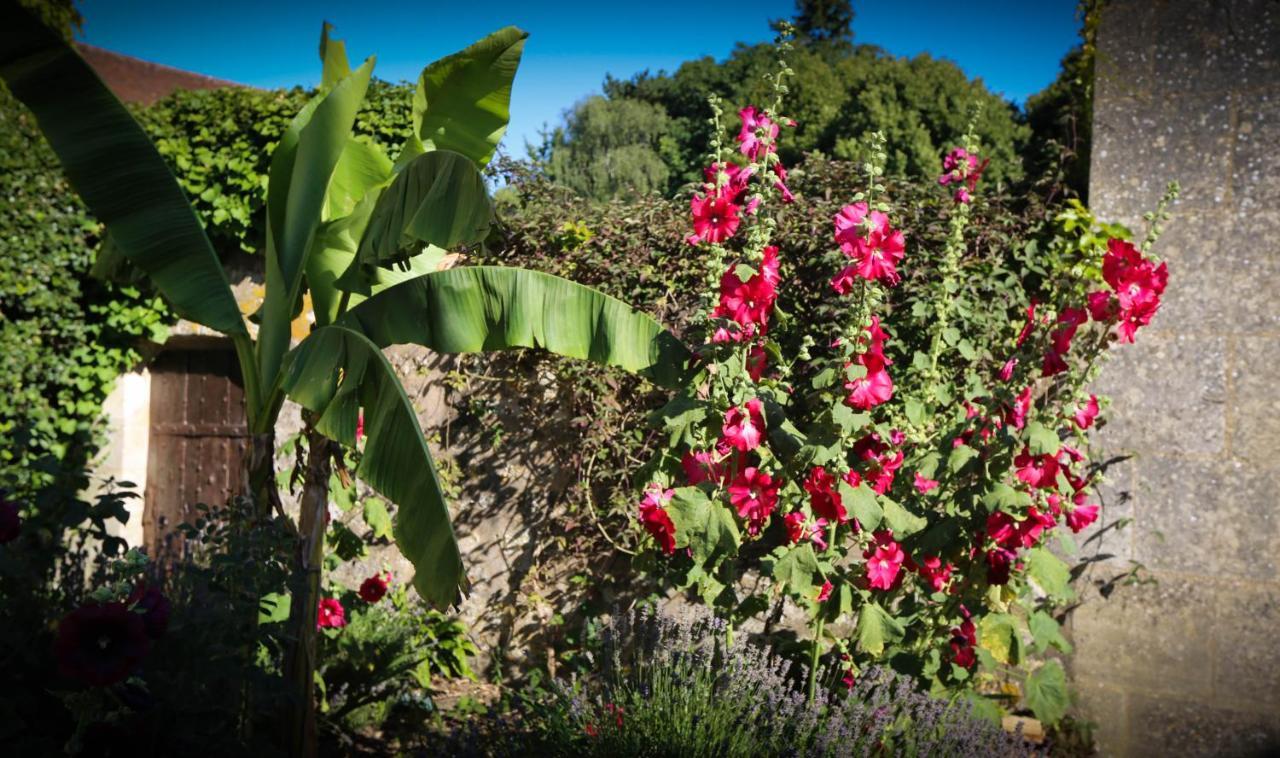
point(154, 607)
point(375, 587)
point(101, 643)
point(10, 522)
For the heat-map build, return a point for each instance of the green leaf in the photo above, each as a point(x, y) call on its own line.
point(862, 503)
point(795, 569)
point(876, 628)
point(298, 182)
point(1048, 571)
point(376, 516)
point(361, 167)
point(439, 198)
point(997, 635)
point(904, 523)
point(116, 170)
point(705, 526)
point(333, 57)
point(849, 421)
point(1045, 631)
point(462, 102)
point(1046, 692)
point(1002, 497)
point(960, 455)
point(482, 308)
point(274, 607)
point(915, 411)
point(679, 417)
point(336, 372)
point(1042, 440)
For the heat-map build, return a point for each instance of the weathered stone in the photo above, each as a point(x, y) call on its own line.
point(1148, 636)
point(1252, 305)
point(1122, 67)
point(1197, 727)
point(1216, 45)
point(1201, 273)
point(1106, 708)
point(1167, 394)
point(1246, 660)
point(1212, 517)
point(1255, 410)
point(1254, 180)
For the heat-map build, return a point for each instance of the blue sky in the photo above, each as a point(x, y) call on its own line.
point(1013, 46)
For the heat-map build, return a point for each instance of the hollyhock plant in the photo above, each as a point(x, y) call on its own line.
point(758, 135)
point(715, 219)
point(1083, 514)
point(744, 427)
point(1085, 414)
point(10, 521)
point(330, 614)
point(884, 561)
point(754, 494)
point(656, 520)
point(375, 587)
point(923, 484)
point(935, 573)
point(1040, 471)
point(874, 247)
point(824, 500)
point(101, 644)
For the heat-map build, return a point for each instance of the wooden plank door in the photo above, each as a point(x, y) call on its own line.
point(198, 436)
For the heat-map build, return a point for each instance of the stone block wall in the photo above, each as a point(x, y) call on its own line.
point(1189, 664)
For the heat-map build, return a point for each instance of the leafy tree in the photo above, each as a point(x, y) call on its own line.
point(610, 147)
point(823, 21)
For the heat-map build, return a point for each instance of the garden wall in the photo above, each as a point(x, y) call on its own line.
point(1190, 664)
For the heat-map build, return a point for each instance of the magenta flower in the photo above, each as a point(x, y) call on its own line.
point(330, 614)
point(744, 429)
point(935, 573)
point(999, 564)
point(758, 134)
point(824, 500)
point(1083, 514)
point(923, 485)
point(870, 242)
point(884, 561)
point(824, 592)
point(1039, 471)
point(754, 495)
point(656, 520)
point(715, 219)
point(1086, 414)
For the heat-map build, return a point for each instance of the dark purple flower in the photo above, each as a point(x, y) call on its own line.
point(154, 607)
point(10, 522)
point(101, 643)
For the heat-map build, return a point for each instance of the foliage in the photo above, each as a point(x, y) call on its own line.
point(608, 148)
point(673, 686)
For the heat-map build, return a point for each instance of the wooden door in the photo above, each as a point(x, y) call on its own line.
point(198, 436)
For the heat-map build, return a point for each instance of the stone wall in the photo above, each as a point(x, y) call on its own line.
point(1189, 664)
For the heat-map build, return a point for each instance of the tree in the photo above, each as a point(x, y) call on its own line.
point(829, 21)
point(362, 236)
point(610, 147)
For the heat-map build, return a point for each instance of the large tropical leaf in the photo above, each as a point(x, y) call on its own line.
point(297, 183)
point(463, 101)
point(116, 170)
point(336, 372)
point(438, 198)
point(481, 308)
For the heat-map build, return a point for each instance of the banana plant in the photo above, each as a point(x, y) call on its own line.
point(360, 236)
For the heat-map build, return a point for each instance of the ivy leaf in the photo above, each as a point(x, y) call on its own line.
point(1041, 439)
point(960, 455)
point(996, 635)
point(1045, 631)
point(1046, 692)
point(796, 568)
point(376, 516)
point(903, 522)
point(876, 628)
point(1048, 571)
point(861, 502)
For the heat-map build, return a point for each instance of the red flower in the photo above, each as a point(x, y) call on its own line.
point(1055, 360)
point(1021, 408)
point(715, 218)
point(959, 166)
point(656, 520)
point(874, 246)
point(330, 614)
point(754, 494)
point(154, 607)
point(963, 640)
point(736, 179)
point(101, 643)
point(375, 587)
point(1136, 283)
point(874, 387)
point(1030, 324)
point(824, 592)
point(1083, 514)
point(10, 521)
point(359, 426)
point(935, 572)
point(780, 182)
point(1087, 413)
point(758, 134)
point(744, 430)
point(884, 561)
point(824, 498)
point(1039, 471)
point(1002, 528)
point(923, 485)
point(751, 302)
point(881, 464)
point(707, 465)
point(999, 563)
point(757, 363)
point(1030, 529)
point(1006, 371)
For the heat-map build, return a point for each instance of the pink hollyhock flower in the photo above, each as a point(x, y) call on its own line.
point(874, 246)
point(884, 561)
point(757, 363)
point(754, 494)
point(1030, 529)
point(1031, 323)
point(375, 587)
point(956, 166)
point(10, 520)
point(1085, 415)
point(923, 485)
point(1084, 513)
point(1136, 283)
point(824, 592)
point(1002, 528)
point(655, 519)
point(963, 640)
point(962, 196)
point(736, 179)
point(780, 182)
point(1021, 407)
point(744, 429)
point(758, 134)
point(798, 528)
point(359, 426)
point(155, 608)
point(999, 564)
point(1006, 371)
point(874, 387)
point(750, 302)
point(330, 614)
point(881, 464)
point(101, 644)
point(1055, 359)
point(824, 499)
point(715, 219)
point(1039, 471)
point(707, 465)
point(935, 573)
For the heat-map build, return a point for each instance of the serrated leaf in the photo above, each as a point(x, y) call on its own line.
point(1050, 573)
point(876, 628)
point(679, 417)
point(847, 419)
point(1046, 632)
point(904, 523)
point(824, 379)
point(862, 503)
point(1046, 692)
point(706, 527)
point(795, 568)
